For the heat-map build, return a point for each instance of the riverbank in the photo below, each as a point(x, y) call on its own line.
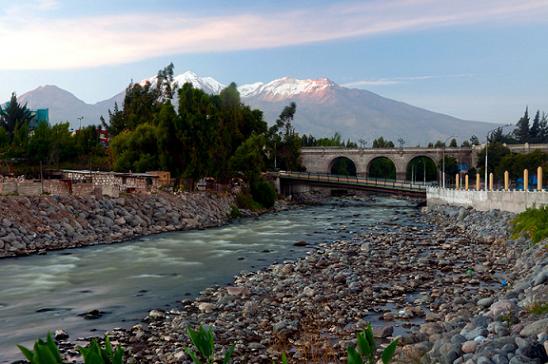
point(37, 224)
point(452, 286)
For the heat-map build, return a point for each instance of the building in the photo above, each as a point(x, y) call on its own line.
point(112, 183)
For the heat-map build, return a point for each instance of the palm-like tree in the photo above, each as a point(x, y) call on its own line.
point(14, 115)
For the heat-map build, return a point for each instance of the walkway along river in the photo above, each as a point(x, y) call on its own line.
point(124, 281)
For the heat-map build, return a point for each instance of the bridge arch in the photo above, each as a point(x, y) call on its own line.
point(343, 165)
point(382, 167)
point(422, 168)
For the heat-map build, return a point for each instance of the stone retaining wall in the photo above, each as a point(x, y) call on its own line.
point(512, 201)
point(38, 223)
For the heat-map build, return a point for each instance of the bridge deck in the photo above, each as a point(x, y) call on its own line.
point(371, 184)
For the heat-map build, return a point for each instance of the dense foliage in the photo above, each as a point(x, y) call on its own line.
point(55, 146)
point(335, 141)
point(201, 136)
point(515, 163)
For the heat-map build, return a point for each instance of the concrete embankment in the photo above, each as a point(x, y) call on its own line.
point(511, 201)
point(34, 224)
point(454, 288)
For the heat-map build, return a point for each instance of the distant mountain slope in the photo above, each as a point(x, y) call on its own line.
point(323, 108)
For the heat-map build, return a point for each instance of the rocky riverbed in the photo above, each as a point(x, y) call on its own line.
point(37, 224)
point(453, 288)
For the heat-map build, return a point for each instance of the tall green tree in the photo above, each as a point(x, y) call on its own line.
point(521, 132)
point(285, 142)
point(535, 132)
point(14, 115)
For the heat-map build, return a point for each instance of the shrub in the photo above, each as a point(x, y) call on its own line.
point(244, 200)
point(263, 192)
point(365, 352)
point(234, 212)
point(204, 346)
point(533, 223)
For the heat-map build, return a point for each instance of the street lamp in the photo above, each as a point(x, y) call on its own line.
point(80, 118)
point(443, 161)
point(486, 150)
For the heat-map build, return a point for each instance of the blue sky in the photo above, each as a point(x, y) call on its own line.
point(478, 60)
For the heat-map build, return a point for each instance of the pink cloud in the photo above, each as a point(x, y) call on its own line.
point(94, 41)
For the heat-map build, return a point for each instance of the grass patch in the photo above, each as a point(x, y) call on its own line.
point(538, 308)
point(533, 223)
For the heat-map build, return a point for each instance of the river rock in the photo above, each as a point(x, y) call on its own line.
point(535, 328)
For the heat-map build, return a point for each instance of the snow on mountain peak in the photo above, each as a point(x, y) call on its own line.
point(206, 84)
point(281, 88)
point(286, 87)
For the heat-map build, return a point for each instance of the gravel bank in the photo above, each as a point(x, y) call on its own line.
point(453, 287)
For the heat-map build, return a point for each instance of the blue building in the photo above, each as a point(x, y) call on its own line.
point(39, 116)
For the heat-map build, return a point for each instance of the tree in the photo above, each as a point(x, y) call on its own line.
point(543, 128)
point(474, 140)
point(14, 115)
point(164, 82)
point(382, 143)
point(169, 145)
point(136, 150)
point(521, 133)
point(535, 132)
point(453, 143)
point(515, 163)
point(285, 142)
point(249, 158)
point(439, 144)
point(466, 144)
point(496, 152)
point(39, 146)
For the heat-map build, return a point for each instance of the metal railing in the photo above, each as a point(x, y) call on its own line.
point(356, 181)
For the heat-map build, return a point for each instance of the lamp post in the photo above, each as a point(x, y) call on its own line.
point(443, 161)
point(486, 151)
point(80, 118)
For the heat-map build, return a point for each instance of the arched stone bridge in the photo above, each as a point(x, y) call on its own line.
point(321, 159)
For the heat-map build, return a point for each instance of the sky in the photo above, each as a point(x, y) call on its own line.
point(483, 60)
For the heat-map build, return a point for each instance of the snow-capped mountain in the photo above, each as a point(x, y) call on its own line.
point(323, 108)
point(206, 84)
point(286, 87)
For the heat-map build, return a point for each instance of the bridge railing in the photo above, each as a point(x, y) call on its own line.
point(355, 180)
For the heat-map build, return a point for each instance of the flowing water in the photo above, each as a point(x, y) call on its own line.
point(46, 292)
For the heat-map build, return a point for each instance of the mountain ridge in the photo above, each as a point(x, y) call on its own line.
point(323, 108)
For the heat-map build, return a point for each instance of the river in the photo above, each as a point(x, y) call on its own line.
point(43, 293)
